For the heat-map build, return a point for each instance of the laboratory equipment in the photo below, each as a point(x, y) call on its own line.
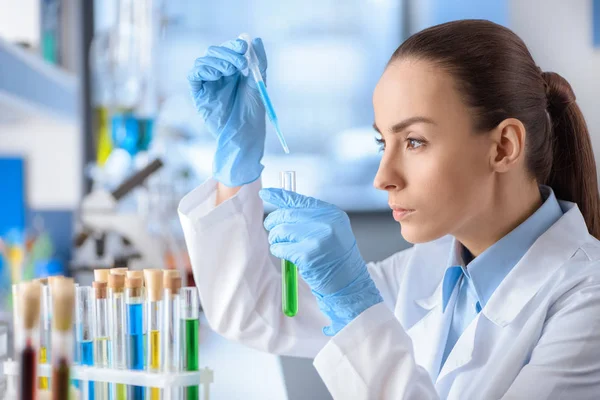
point(45, 331)
point(154, 312)
point(50, 16)
point(30, 297)
point(190, 312)
point(262, 89)
point(101, 335)
point(63, 296)
point(172, 329)
point(289, 272)
point(100, 217)
point(117, 321)
point(135, 331)
point(204, 377)
point(84, 322)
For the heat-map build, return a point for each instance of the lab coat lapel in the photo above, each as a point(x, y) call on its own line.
point(430, 332)
point(462, 352)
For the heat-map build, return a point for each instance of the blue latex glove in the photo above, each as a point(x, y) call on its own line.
point(232, 109)
point(317, 237)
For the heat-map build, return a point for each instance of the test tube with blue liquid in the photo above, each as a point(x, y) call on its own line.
point(262, 88)
point(135, 331)
point(84, 322)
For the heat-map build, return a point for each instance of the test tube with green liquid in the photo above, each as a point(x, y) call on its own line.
point(190, 312)
point(289, 271)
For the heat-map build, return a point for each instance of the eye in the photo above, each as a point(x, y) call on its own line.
point(414, 144)
point(381, 143)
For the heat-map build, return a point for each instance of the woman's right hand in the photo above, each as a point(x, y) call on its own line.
point(232, 109)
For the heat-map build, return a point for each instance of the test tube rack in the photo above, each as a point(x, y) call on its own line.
point(204, 377)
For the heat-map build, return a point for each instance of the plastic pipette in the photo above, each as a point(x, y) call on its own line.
point(262, 89)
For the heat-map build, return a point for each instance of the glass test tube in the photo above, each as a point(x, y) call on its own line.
point(154, 300)
point(16, 312)
point(45, 331)
point(171, 332)
point(118, 327)
point(140, 274)
point(62, 337)
point(289, 272)
point(190, 306)
point(29, 339)
point(135, 331)
point(84, 321)
point(101, 337)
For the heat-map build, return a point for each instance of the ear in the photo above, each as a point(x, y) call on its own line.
point(509, 144)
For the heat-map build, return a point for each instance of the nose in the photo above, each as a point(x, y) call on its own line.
point(389, 176)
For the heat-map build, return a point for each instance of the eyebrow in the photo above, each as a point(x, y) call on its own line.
point(402, 125)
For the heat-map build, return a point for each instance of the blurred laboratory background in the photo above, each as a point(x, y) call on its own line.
point(99, 139)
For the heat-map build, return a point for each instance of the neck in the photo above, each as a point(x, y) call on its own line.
point(509, 206)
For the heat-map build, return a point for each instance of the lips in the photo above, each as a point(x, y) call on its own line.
point(400, 213)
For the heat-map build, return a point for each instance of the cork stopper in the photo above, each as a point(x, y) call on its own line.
point(99, 289)
point(63, 300)
point(133, 282)
point(43, 281)
point(116, 282)
point(154, 284)
point(118, 271)
point(136, 274)
point(135, 285)
point(170, 272)
point(53, 279)
point(173, 283)
point(101, 275)
point(29, 303)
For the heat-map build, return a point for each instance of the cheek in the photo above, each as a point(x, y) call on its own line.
point(444, 188)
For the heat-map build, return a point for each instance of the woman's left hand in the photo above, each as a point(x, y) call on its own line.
point(317, 237)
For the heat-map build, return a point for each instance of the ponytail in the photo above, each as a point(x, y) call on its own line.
point(573, 173)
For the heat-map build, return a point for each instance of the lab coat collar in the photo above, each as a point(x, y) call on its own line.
point(552, 249)
point(487, 270)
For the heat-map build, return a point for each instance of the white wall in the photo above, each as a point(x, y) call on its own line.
point(52, 150)
point(20, 21)
point(559, 36)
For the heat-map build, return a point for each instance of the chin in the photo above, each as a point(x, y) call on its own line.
point(418, 234)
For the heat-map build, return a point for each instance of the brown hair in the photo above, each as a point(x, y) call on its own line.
point(498, 78)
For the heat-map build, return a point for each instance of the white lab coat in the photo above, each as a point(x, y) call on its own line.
point(538, 337)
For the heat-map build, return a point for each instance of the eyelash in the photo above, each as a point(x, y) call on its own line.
point(419, 142)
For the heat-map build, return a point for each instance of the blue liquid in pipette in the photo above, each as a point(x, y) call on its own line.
point(135, 336)
point(262, 89)
point(86, 349)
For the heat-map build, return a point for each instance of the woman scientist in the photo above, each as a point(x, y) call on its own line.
point(489, 170)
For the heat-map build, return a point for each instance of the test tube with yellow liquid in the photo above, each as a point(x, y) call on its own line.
point(289, 271)
point(154, 300)
point(101, 336)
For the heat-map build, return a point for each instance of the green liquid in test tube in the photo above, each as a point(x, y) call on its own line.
point(190, 309)
point(289, 272)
